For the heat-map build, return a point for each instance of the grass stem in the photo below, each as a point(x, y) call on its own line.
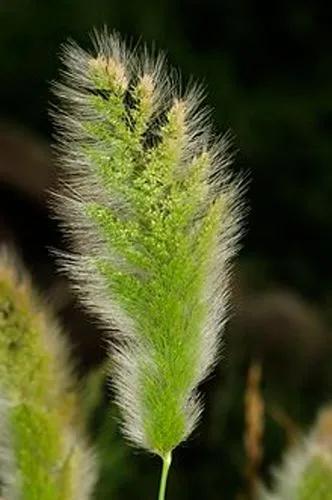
point(167, 459)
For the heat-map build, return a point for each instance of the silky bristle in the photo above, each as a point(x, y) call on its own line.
point(153, 217)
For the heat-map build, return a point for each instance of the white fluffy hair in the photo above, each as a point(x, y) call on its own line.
point(80, 186)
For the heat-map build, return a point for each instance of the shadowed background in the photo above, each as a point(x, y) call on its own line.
point(268, 74)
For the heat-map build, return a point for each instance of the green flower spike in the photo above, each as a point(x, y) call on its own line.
point(153, 219)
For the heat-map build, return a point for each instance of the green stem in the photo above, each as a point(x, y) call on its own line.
point(167, 459)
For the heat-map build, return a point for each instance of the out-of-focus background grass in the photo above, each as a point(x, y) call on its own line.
point(267, 68)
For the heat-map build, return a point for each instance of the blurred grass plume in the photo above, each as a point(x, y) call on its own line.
point(44, 449)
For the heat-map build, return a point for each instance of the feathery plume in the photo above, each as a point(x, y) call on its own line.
point(306, 472)
point(43, 450)
point(153, 218)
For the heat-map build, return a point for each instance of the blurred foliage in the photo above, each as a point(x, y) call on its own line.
point(267, 71)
